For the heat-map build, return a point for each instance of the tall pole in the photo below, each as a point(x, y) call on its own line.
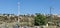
point(17, 23)
point(50, 13)
point(18, 9)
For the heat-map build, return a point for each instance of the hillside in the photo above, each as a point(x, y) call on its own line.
point(10, 18)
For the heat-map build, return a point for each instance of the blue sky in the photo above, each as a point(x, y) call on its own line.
point(30, 6)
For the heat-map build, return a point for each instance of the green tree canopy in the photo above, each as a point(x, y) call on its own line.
point(40, 19)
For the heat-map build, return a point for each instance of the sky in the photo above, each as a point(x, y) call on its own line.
point(30, 6)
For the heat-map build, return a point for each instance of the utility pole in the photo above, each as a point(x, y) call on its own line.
point(50, 10)
point(49, 17)
point(18, 9)
point(18, 20)
point(51, 14)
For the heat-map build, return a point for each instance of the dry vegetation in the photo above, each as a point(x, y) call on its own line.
point(24, 19)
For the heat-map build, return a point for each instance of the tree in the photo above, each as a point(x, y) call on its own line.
point(40, 19)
